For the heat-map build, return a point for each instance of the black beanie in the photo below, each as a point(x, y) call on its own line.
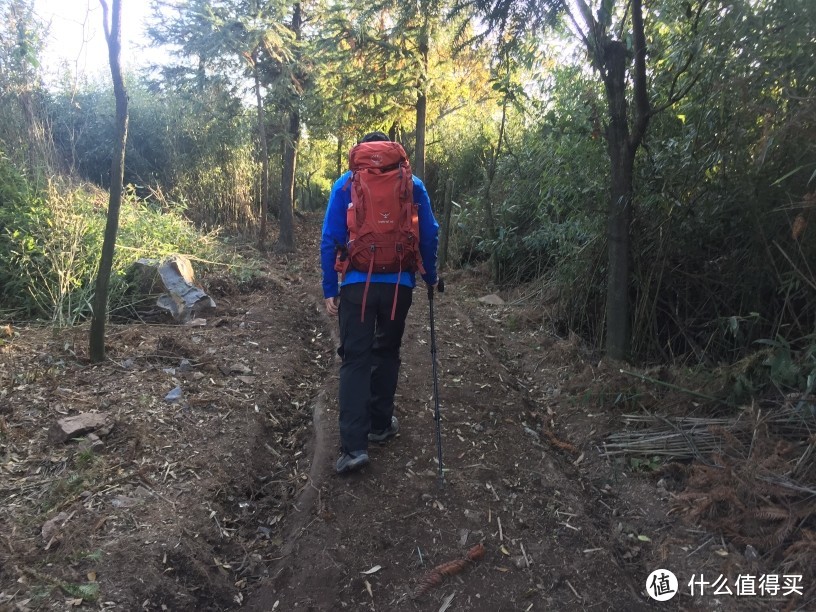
point(375, 137)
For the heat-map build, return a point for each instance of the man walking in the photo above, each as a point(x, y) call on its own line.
point(379, 230)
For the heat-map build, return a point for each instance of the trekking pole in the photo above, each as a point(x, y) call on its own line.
point(437, 416)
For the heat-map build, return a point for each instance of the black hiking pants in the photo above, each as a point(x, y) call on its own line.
point(370, 350)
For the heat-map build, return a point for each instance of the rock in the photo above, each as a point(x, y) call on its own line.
point(751, 553)
point(94, 441)
point(175, 395)
point(51, 527)
point(79, 425)
point(492, 300)
point(123, 501)
point(240, 368)
point(474, 517)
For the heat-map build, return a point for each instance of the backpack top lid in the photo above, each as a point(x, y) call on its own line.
point(377, 155)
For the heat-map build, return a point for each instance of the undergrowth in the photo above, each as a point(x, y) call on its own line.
point(51, 240)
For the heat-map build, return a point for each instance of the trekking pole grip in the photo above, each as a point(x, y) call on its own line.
point(440, 287)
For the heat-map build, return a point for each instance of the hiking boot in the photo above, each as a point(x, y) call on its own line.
point(350, 462)
point(385, 434)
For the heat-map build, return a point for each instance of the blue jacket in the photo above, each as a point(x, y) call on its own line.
point(335, 233)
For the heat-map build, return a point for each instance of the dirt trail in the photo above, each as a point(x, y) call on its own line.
point(229, 499)
point(504, 488)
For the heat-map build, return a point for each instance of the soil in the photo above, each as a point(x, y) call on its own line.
point(227, 498)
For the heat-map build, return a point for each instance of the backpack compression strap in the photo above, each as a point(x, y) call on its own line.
point(368, 282)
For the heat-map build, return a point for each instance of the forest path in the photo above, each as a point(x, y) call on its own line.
point(227, 498)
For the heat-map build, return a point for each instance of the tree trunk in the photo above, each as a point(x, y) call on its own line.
point(419, 153)
point(422, 105)
point(339, 154)
point(264, 157)
point(113, 35)
point(619, 216)
point(444, 237)
point(286, 236)
point(487, 203)
point(394, 131)
point(622, 146)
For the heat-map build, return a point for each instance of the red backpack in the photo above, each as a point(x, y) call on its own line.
point(382, 220)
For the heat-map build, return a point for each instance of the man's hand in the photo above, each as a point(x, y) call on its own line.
point(438, 286)
point(331, 305)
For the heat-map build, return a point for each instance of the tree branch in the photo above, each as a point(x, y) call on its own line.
point(581, 34)
point(673, 97)
point(623, 21)
point(593, 38)
point(641, 96)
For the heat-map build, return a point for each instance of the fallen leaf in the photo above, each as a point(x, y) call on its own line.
point(373, 570)
point(240, 368)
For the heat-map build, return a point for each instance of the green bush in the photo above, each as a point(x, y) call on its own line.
point(51, 243)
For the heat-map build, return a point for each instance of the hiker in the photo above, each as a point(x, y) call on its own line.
point(375, 250)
